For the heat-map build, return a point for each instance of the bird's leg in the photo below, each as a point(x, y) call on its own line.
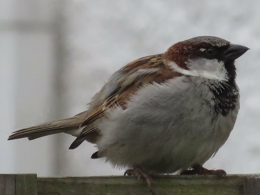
point(200, 170)
point(137, 171)
point(130, 172)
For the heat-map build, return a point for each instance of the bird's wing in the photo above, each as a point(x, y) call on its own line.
point(121, 86)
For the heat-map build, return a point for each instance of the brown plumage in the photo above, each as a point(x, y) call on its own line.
point(161, 113)
point(125, 90)
point(126, 87)
point(49, 128)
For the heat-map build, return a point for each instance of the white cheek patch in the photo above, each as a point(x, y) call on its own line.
point(206, 68)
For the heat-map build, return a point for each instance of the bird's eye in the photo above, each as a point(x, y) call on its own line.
point(210, 51)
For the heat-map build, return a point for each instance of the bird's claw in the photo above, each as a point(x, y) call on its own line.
point(200, 170)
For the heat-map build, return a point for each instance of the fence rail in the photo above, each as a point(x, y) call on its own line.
point(30, 184)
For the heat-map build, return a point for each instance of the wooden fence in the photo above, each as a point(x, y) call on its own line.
point(29, 184)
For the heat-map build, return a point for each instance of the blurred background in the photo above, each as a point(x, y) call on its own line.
point(56, 54)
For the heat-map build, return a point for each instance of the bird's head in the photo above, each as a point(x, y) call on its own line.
point(205, 56)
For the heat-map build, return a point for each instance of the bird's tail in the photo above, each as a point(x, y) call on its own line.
point(49, 128)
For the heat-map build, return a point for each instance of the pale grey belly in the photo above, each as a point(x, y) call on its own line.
point(163, 136)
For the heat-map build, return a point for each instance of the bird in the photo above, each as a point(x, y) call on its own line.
point(162, 113)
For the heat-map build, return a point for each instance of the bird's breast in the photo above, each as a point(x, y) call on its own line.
point(166, 127)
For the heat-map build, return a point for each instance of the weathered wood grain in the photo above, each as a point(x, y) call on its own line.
point(164, 185)
point(7, 184)
point(252, 185)
point(19, 184)
point(29, 184)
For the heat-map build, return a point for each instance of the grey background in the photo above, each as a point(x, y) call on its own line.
point(56, 54)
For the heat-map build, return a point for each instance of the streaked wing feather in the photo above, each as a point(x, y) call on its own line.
point(134, 75)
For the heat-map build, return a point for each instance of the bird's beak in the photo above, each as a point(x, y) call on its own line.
point(235, 51)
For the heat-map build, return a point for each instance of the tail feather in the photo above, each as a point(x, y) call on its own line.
point(47, 129)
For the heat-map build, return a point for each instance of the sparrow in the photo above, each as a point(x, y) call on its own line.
point(161, 113)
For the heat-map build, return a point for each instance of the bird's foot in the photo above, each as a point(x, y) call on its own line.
point(130, 172)
point(200, 170)
point(137, 171)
